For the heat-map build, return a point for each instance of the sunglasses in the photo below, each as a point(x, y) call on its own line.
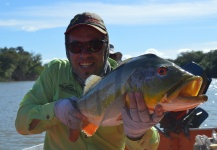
point(76, 47)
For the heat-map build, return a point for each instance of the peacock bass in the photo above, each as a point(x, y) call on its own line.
point(160, 81)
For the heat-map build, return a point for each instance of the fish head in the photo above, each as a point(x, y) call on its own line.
point(163, 82)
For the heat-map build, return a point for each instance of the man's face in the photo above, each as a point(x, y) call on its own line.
point(86, 62)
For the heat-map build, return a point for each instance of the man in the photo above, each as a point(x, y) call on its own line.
point(117, 56)
point(49, 105)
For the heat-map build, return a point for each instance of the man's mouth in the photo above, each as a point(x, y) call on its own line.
point(86, 65)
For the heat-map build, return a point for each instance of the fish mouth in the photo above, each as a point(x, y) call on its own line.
point(184, 95)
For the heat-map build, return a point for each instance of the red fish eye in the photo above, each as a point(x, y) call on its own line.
point(162, 70)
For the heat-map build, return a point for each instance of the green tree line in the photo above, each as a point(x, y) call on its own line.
point(16, 64)
point(208, 61)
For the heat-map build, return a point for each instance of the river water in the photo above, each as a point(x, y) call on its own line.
point(11, 94)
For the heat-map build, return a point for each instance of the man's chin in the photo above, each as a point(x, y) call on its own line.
point(87, 75)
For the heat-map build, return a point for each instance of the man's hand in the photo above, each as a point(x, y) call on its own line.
point(136, 118)
point(66, 112)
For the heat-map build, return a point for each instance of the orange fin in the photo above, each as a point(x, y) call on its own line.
point(74, 134)
point(89, 128)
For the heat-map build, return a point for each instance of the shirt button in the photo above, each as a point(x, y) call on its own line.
point(47, 117)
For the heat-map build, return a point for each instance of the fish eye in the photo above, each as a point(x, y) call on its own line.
point(162, 70)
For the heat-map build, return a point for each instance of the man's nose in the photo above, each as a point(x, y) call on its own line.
point(85, 51)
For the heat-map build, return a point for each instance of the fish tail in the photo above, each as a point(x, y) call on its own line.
point(89, 128)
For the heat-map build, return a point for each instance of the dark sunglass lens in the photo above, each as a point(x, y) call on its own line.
point(96, 45)
point(74, 47)
point(93, 46)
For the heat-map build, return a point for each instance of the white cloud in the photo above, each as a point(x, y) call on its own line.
point(205, 47)
point(164, 54)
point(184, 50)
point(156, 52)
point(59, 14)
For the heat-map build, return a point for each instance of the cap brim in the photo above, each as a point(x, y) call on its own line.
point(82, 24)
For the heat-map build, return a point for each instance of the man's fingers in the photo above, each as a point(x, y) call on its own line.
point(133, 107)
point(138, 110)
point(144, 116)
point(75, 112)
point(159, 110)
point(134, 114)
point(74, 134)
point(155, 118)
point(142, 108)
point(140, 101)
point(158, 113)
point(80, 116)
point(132, 98)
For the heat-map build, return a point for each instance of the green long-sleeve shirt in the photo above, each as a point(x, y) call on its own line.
point(57, 82)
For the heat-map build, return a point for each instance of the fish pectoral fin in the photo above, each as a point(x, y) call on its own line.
point(74, 134)
point(89, 128)
point(90, 82)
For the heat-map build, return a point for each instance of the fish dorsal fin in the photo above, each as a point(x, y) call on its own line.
point(90, 82)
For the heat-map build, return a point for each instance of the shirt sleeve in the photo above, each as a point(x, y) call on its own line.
point(38, 103)
point(113, 63)
point(150, 140)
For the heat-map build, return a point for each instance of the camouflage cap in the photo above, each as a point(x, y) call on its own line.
point(87, 18)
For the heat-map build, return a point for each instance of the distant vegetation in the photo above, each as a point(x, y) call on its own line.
point(16, 64)
point(208, 61)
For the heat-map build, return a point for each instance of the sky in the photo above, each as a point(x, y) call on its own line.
point(163, 27)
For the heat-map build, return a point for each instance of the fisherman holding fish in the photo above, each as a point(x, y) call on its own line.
point(51, 104)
